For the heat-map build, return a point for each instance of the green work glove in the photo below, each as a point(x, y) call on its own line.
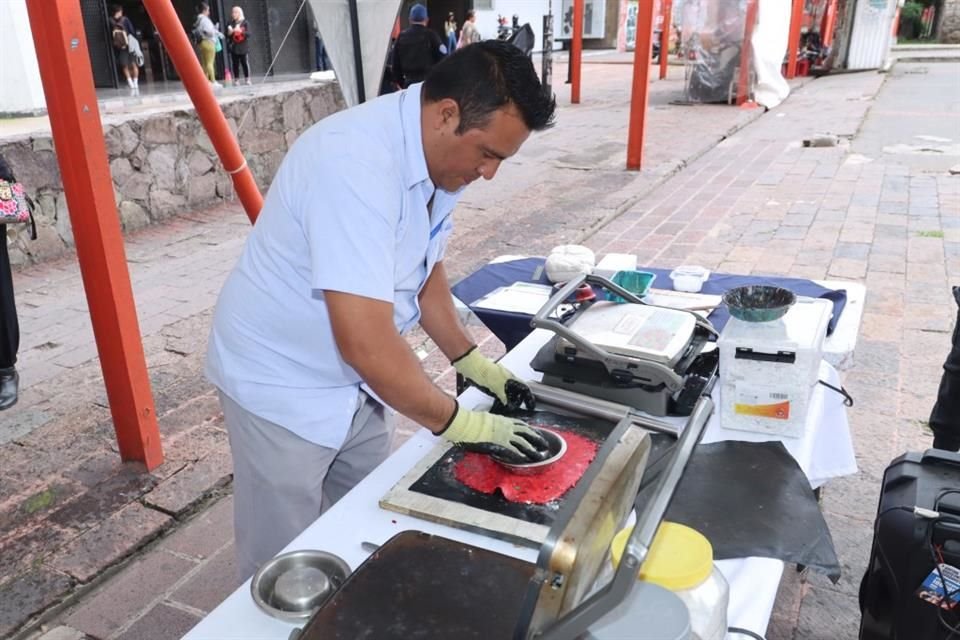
point(507, 438)
point(495, 380)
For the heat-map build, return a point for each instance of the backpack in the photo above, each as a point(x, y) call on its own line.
point(119, 36)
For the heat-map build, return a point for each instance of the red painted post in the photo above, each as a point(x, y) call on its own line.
point(829, 21)
point(641, 85)
point(665, 31)
point(793, 42)
point(185, 61)
point(576, 51)
point(746, 52)
point(67, 78)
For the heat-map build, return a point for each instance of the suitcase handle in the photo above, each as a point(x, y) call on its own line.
point(941, 456)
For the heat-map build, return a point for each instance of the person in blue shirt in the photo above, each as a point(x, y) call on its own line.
point(346, 256)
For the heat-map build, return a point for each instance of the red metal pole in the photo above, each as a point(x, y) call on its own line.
point(641, 85)
point(793, 42)
point(576, 51)
point(829, 20)
point(185, 61)
point(746, 52)
point(67, 78)
point(666, 29)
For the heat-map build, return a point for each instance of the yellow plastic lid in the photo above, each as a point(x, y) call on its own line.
point(679, 558)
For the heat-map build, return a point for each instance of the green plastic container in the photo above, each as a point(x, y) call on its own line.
point(636, 282)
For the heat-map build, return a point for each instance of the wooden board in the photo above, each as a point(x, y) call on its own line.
point(512, 528)
point(455, 514)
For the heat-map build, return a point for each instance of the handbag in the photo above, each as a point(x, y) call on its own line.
point(16, 206)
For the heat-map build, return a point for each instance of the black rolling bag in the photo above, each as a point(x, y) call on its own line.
point(893, 600)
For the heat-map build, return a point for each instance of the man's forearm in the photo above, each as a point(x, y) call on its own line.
point(439, 318)
point(369, 342)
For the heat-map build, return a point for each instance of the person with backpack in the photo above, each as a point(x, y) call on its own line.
point(206, 36)
point(417, 49)
point(121, 31)
point(238, 44)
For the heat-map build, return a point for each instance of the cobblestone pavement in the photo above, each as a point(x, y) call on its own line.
point(758, 202)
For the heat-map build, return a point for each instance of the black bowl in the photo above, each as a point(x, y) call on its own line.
point(759, 302)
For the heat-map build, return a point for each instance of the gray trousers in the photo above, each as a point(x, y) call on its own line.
point(282, 483)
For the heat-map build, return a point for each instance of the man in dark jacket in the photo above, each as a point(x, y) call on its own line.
point(417, 49)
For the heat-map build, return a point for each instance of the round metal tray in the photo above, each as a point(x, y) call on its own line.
point(294, 585)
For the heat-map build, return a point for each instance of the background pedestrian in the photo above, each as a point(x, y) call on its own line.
point(469, 33)
point(206, 36)
point(450, 28)
point(121, 32)
point(238, 44)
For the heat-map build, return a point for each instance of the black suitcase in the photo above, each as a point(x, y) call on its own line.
point(903, 549)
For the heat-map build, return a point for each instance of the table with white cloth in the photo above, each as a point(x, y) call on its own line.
point(825, 451)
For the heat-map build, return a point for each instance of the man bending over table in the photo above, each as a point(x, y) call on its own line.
point(346, 256)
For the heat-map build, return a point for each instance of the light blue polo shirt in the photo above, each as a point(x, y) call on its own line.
point(347, 211)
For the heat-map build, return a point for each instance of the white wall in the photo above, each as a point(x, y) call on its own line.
point(20, 88)
point(531, 11)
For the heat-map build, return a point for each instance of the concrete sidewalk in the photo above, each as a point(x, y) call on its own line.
point(757, 202)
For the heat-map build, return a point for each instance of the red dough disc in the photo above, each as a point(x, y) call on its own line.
point(481, 473)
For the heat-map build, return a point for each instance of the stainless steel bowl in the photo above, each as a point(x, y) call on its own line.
point(557, 449)
point(294, 585)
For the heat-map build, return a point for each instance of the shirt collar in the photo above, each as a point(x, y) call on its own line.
point(416, 162)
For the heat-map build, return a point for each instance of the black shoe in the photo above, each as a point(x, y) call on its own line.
point(9, 385)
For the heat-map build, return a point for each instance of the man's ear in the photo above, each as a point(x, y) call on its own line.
point(449, 113)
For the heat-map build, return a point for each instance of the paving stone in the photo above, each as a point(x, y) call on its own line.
point(163, 622)
point(192, 484)
point(847, 268)
point(205, 534)
point(129, 593)
point(29, 594)
point(107, 496)
point(827, 614)
point(852, 539)
point(879, 360)
point(854, 496)
point(101, 546)
point(216, 579)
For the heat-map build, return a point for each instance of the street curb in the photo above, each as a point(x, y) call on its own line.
point(33, 627)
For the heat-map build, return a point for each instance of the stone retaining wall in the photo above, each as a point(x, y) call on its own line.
point(950, 22)
point(163, 163)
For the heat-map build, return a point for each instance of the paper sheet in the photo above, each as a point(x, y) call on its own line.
point(519, 297)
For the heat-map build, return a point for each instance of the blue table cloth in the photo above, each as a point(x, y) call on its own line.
point(511, 328)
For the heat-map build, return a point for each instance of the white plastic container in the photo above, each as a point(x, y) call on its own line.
point(689, 278)
point(768, 369)
point(681, 559)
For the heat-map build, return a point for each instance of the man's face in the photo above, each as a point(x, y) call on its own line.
point(455, 160)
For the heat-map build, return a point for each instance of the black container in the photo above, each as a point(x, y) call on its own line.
point(900, 558)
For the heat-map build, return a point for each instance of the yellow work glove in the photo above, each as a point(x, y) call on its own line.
point(507, 438)
point(495, 380)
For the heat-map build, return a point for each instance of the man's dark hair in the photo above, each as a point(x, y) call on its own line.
point(114, 8)
point(203, 6)
point(487, 76)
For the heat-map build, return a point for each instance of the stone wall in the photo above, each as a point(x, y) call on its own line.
point(163, 163)
point(949, 31)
